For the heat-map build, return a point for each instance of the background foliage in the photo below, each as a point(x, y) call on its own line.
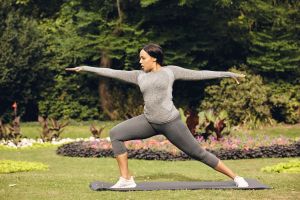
point(246, 103)
point(38, 39)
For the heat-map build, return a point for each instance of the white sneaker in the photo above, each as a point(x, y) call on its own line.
point(240, 182)
point(124, 183)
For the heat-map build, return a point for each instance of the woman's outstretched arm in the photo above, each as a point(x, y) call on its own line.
point(128, 76)
point(188, 74)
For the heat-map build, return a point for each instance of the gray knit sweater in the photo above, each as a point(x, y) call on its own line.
point(156, 87)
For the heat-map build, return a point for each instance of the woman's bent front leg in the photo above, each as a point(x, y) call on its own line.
point(135, 128)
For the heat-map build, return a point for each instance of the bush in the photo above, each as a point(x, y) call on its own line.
point(293, 166)
point(69, 98)
point(285, 102)
point(10, 166)
point(246, 103)
point(128, 101)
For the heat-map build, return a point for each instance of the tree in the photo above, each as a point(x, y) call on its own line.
point(91, 33)
point(21, 64)
point(270, 30)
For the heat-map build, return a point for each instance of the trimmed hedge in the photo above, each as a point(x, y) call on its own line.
point(82, 149)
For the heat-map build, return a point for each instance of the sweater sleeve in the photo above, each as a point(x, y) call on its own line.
point(188, 74)
point(127, 76)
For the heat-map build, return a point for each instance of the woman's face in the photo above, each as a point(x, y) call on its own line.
point(147, 62)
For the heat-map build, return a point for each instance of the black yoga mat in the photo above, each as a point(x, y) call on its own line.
point(182, 185)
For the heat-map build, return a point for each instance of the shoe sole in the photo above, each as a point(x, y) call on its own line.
point(130, 186)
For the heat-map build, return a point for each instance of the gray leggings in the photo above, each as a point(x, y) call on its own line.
point(175, 131)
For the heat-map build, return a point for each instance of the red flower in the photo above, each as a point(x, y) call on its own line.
point(14, 105)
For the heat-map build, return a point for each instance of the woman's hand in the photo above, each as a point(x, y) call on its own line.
point(75, 69)
point(237, 77)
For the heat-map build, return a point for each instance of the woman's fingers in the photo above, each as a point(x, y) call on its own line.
point(236, 80)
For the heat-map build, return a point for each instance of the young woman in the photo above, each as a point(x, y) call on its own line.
point(160, 115)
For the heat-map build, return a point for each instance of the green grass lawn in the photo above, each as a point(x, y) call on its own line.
point(291, 131)
point(81, 130)
point(73, 130)
point(69, 178)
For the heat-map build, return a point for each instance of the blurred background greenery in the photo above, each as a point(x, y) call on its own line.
point(260, 38)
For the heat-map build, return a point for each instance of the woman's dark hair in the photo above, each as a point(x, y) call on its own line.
point(155, 51)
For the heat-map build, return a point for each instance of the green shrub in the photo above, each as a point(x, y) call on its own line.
point(10, 166)
point(246, 103)
point(293, 166)
point(128, 101)
point(67, 108)
point(285, 102)
point(72, 97)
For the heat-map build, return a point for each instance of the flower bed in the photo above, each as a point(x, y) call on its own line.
point(230, 142)
point(161, 149)
point(39, 143)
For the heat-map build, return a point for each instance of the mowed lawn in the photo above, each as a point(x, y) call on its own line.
point(69, 178)
point(81, 130)
point(73, 130)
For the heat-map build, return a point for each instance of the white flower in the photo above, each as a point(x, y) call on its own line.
point(11, 144)
point(39, 140)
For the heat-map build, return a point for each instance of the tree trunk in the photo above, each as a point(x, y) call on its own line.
point(104, 95)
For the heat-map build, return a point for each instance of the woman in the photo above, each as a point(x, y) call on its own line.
point(160, 115)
